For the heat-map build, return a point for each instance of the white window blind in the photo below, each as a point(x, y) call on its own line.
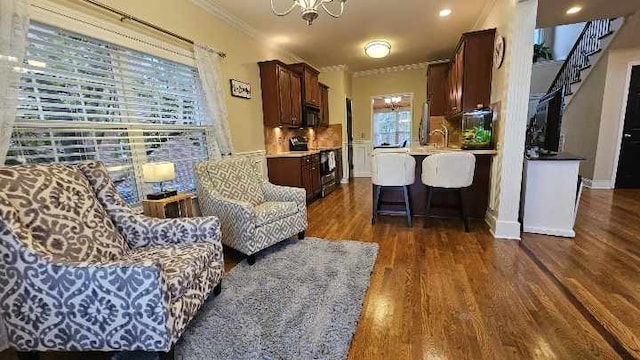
point(87, 99)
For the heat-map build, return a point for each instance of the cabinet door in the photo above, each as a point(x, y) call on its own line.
point(339, 173)
point(324, 106)
point(437, 89)
point(296, 99)
point(315, 178)
point(311, 88)
point(307, 181)
point(459, 80)
point(284, 91)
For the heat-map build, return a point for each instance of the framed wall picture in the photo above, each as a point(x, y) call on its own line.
point(240, 89)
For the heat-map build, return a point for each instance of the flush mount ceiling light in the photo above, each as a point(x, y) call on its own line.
point(377, 49)
point(574, 10)
point(445, 12)
point(309, 9)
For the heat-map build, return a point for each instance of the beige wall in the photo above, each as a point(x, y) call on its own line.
point(581, 119)
point(364, 87)
point(336, 80)
point(613, 110)
point(544, 72)
point(243, 52)
point(592, 120)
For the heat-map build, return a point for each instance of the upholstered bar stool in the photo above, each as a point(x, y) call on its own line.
point(448, 172)
point(392, 170)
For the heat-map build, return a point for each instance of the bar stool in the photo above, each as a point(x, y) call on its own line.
point(392, 170)
point(448, 172)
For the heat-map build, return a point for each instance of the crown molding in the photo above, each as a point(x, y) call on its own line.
point(398, 68)
point(334, 68)
point(211, 7)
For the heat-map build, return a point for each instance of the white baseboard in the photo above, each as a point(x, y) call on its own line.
point(553, 232)
point(508, 230)
point(598, 184)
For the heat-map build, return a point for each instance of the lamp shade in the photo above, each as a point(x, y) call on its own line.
point(158, 172)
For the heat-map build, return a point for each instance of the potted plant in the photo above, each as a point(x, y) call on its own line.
point(541, 52)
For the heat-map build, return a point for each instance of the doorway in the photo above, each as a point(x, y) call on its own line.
point(350, 137)
point(391, 120)
point(628, 175)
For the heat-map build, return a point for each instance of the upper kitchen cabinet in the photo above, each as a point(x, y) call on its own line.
point(281, 94)
point(437, 88)
point(324, 105)
point(469, 73)
point(310, 85)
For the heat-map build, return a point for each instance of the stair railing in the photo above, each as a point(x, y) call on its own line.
point(588, 43)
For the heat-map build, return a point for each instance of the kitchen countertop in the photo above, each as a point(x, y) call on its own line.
point(297, 154)
point(428, 150)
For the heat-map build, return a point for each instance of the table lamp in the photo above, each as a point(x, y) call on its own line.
point(159, 172)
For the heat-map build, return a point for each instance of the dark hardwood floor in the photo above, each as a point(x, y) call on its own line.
point(440, 293)
point(601, 266)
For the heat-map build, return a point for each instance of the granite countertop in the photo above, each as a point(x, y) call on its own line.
point(297, 154)
point(563, 156)
point(429, 150)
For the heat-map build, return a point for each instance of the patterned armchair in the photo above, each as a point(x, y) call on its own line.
point(81, 271)
point(254, 213)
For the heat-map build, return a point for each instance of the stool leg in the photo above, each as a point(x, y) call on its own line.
point(427, 210)
point(407, 205)
point(463, 210)
point(376, 203)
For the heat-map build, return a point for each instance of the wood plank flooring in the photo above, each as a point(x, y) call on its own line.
point(440, 293)
point(601, 266)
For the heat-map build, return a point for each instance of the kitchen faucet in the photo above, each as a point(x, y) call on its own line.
point(445, 135)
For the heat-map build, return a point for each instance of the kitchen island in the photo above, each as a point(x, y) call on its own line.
point(445, 204)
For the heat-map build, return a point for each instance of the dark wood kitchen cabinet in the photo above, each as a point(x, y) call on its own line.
point(437, 88)
point(324, 105)
point(310, 84)
point(302, 172)
point(469, 74)
point(281, 94)
point(339, 172)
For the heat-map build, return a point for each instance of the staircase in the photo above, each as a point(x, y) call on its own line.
point(591, 44)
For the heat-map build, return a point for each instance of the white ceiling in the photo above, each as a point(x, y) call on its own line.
point(553, 12)
point(413, 27)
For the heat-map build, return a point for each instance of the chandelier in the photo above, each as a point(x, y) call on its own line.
point(309, 9)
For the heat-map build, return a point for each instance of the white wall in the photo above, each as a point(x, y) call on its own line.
point(564, 37)
point(510, 88)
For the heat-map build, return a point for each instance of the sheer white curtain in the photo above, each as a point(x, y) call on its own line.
point(14, 24)
point(208, 63)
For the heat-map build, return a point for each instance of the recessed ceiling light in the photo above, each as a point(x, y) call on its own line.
point(574, 10)
point(377, 49)
point(445, 12)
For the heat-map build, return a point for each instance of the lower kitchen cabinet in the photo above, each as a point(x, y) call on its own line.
point(302, 172)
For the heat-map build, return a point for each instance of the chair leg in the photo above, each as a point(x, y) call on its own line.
point(463, 210)
point(251, 259)
point(377, 191)
point(427, 210)
point(31, 355)
point(218, 289)
point(407, 205)
point(301, 235)
point(169, 355)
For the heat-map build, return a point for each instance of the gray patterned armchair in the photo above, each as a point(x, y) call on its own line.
point(81, 271)
point(254, 213)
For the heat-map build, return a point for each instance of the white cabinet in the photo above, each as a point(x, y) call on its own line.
point(551, 195)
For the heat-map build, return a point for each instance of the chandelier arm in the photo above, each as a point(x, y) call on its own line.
point(283, 13)
point(324, 6)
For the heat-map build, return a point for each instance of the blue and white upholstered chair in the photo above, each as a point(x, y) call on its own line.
point(254, 213)
point(81, 271)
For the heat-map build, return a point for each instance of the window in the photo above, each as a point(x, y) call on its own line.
point(392, 127)
point(87, 99)
point(539, 36)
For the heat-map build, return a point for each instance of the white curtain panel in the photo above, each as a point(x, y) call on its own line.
point(208, 63)
point(14, 24)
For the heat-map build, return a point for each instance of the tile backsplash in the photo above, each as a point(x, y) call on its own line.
point(277, 139)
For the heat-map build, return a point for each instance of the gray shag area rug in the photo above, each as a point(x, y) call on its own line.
point(301, 300)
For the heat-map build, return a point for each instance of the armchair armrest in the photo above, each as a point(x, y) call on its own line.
point(142, 231)
point(284, 193)
point(126, 304)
